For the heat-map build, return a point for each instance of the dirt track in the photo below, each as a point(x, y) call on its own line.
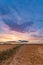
point(26, 55)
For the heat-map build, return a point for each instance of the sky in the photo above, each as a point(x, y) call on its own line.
point(21, 20)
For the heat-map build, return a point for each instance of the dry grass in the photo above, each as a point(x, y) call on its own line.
point(4, 47)
point(8, 52)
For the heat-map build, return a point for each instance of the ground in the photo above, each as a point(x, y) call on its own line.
point(26, 55)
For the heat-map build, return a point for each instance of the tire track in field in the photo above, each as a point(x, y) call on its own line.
point(13, 52)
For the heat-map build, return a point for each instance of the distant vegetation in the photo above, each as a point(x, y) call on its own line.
point(23, 41)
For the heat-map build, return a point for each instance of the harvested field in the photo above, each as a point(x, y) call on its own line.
point(26, 55)
point(4, 47)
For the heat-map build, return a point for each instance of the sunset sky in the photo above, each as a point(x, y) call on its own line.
point(21, 20)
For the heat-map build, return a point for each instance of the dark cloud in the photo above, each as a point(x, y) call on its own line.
point(37, 36)
point(16, 27)
point(11, 19)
